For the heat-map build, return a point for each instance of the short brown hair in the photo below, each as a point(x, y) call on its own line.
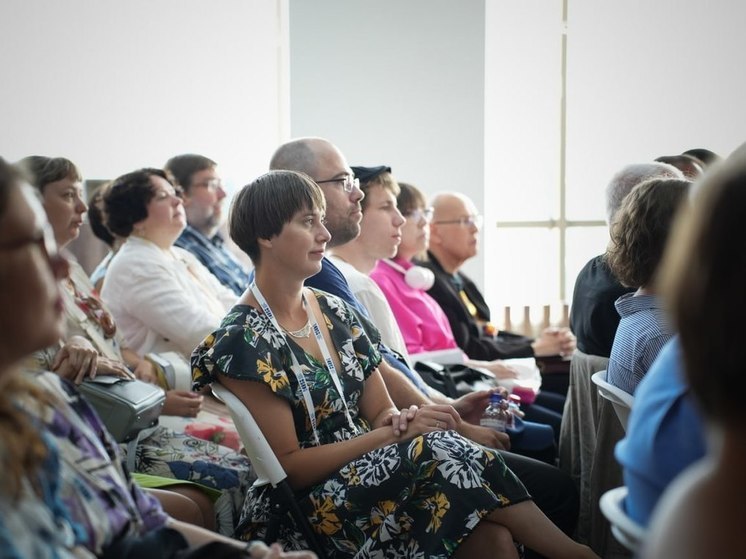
point(181, 168)
point(640, 229)
point(41, 170)
point(262, 208)
point(409, 198)
point(385, 180)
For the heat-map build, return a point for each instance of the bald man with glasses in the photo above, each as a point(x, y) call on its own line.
point(454, 239)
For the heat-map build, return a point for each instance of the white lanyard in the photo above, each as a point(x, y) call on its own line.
point(296, 366)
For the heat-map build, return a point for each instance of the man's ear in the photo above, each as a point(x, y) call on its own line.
point(434, 235)
point(185, 198)
point(266, 243)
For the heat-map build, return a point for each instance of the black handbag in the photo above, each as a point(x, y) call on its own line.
point(455, 379)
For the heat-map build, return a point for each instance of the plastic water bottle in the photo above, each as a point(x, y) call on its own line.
point(514, 407)
point(494, 415)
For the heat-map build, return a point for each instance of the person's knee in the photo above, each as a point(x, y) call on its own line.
point(180, 507)
point(502, 537)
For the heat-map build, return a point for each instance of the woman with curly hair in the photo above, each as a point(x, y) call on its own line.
point(638, 237)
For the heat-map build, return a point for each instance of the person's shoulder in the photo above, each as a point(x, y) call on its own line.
point(233, 348)
point(52, 383)
point(329, 300)
point(185, 254)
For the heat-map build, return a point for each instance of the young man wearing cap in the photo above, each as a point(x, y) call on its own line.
point(552, 490)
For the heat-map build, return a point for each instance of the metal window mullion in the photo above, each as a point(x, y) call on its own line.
point(563, 159)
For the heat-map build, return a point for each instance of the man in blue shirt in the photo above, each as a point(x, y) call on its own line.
point(203, 196)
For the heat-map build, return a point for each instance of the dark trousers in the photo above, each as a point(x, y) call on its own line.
point(547, 409)
point(552, 490)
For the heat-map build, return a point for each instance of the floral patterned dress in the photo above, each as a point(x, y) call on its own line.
point(418, 498)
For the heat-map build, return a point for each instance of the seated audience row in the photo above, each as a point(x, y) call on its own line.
point(703, 279)
point(357, 456)
point(93, 345)
point(320, 160)
point(65, 492)
point(165, 299)
point(415, 318)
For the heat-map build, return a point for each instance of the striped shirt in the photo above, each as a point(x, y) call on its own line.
point(216, 258)
point(643, 330)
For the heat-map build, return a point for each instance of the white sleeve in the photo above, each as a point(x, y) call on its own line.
point(157, 297)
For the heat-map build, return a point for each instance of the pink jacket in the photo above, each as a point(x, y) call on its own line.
point(422, 322)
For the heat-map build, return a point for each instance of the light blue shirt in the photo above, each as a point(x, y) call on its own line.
point(665, 434)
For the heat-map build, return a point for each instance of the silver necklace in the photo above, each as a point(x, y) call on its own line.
point(303, 332)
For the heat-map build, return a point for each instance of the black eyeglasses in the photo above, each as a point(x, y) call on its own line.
point(213, 185)
point(348, 182)
point(466, 221)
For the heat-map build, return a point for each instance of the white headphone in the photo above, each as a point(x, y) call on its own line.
point(416, 277)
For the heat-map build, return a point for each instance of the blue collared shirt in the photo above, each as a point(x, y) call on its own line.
point(643, 330)
point(216, 258)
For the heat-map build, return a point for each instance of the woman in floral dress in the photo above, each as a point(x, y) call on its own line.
point(379, 482)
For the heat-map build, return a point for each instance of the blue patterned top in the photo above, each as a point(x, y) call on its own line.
point(216, 258)
point(643, 331)
point(88, 499)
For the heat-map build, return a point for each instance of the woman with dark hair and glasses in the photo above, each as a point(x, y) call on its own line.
point(376, 481)
point(165, 301)
point(163, 298)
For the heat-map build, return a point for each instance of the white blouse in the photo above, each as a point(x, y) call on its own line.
point(163, 300)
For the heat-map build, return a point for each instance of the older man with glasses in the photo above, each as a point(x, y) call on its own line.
point(204, 196)
point(454, 239)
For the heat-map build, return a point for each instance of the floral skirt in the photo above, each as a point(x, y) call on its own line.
point(416, 499)
point(167, 453)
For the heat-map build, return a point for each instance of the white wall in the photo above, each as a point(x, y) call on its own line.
point(644, 79)
point(395, 83)
point(453, 95)
point(119, 85)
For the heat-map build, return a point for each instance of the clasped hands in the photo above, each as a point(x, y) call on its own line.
point(417, 420)
point(554, 341)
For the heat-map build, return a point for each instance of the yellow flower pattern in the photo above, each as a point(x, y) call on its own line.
point(438, 506)
point(325, 518)
point(277, 380)
point(419, 498)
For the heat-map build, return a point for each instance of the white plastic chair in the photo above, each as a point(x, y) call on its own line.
point(621, 400)
point(628, 532)
point(268, 470)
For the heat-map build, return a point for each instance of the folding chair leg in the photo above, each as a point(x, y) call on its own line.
point(283, 501)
